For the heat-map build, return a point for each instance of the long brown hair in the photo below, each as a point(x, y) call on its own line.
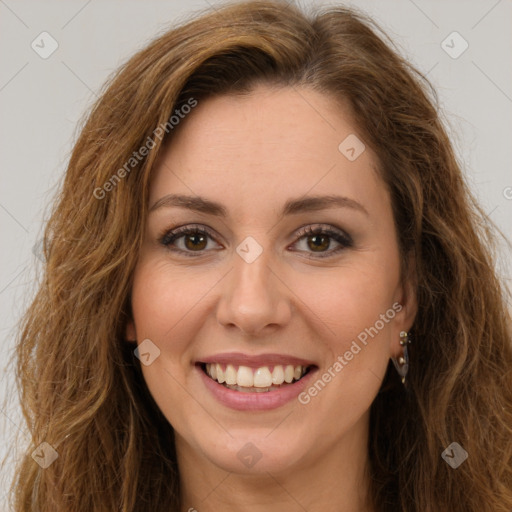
point(81, 387)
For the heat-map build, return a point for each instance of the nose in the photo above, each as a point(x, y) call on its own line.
point(253, 299)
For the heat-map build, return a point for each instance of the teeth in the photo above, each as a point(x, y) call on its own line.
point(245, 377)
point(258, 378)
point(220, 374)
point(278, 375)
point(230, 375)
point(288, 373)
point(262, 378)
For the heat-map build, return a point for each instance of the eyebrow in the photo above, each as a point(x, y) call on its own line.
point(291, 207)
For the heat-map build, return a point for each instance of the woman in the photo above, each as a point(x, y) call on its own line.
point(267, 287)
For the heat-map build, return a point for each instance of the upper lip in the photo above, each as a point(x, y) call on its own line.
point(255, 361)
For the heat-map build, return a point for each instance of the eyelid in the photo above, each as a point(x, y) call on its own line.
point(340, 236)
point(170, 235)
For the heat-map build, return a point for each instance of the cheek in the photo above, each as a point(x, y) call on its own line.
point(163, 300)
point(165, 303)
point(357, 311)
point(355, 305)
point(349, 299)
point(162, 306)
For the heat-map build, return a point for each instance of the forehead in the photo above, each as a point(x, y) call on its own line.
point(263, 147)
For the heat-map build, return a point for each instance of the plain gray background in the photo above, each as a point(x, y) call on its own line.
point(42, 100)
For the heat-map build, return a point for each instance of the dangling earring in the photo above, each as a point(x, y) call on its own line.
point(402, 365)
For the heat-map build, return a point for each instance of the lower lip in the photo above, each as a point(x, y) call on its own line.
point(255, 401)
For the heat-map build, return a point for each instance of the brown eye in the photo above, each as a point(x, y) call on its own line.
point(195, 241)
point(316, 242)
point(187, 240)
point(320, 242)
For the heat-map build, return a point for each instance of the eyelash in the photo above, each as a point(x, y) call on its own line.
point(169, 237)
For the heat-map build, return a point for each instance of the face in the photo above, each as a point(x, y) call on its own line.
point(283, 279)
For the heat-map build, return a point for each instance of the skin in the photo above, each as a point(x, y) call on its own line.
point(252, 154)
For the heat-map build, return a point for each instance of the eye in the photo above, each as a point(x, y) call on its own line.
point(318, 239)
point(194, 239)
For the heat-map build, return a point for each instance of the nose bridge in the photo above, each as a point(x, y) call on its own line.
point(253, 297)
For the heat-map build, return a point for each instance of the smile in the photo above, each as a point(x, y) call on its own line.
point(255, 380)
point(249, 382)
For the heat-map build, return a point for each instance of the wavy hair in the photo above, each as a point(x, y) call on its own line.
point(80, 385)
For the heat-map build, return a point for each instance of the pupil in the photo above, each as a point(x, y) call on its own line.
point(318, 244)
point(196, 238)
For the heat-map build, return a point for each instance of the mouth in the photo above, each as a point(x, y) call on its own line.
point(262, 379)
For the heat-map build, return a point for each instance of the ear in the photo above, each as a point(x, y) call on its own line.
point(407, 297)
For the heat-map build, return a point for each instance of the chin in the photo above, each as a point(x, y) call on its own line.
point(256, 451)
